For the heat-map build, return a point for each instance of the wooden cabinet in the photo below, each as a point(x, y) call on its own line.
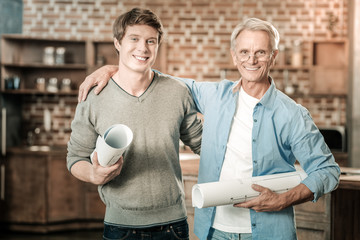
point(346, 208)
point(313, 220)
point(42, 196)
point(329, 67)
point(23, 57)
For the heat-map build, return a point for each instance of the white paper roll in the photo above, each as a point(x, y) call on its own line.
point(239, 190)
point(111, 147)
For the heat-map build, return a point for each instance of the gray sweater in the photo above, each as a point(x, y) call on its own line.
point(149, 190)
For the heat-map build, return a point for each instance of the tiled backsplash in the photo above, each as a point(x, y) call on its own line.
point(197, 36)
point(61, 108)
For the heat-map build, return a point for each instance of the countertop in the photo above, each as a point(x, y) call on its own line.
point(38, 150)
point(349, 179)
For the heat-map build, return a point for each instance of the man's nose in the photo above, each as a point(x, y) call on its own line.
point(252, 58)
point(142, 46)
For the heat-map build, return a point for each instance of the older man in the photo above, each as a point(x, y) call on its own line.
point(253, 129)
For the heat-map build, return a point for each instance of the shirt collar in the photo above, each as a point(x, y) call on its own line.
point(236, 87)
point(269, 97)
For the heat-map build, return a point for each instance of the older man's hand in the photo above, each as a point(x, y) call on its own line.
point(99, 78)
point(269, 201)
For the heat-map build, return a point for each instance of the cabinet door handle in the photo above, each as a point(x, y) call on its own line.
point(3, 131)
point(3, 153)
point(2, 174)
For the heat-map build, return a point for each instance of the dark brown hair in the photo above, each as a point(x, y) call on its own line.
point(137, 16)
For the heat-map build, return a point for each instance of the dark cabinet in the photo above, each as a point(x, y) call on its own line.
point(42, 196)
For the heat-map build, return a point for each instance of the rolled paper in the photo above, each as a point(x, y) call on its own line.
point(239, 190)
point(113, 144)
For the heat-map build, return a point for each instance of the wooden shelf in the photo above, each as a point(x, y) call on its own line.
point(46, 66)
point(22, 56)
point(37, 92)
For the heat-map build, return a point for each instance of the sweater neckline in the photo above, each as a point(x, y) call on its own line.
point(148, 90)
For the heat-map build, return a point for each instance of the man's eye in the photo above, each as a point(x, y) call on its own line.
point(261, 53)
point(243, 52)
point(151, 41)
point(133, 39)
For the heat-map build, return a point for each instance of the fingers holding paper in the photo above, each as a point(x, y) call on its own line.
point(265, 202)
point(94, 173)
point(102, 175)
point(271, 201)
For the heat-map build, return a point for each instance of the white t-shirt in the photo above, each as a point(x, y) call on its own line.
point(237, 164)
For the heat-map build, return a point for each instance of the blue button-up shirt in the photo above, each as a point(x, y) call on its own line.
point(282, 133)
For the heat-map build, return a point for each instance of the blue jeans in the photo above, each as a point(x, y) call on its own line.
point(174, 231)
point(215, 234)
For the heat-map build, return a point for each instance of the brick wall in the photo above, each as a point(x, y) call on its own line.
point(197, 36)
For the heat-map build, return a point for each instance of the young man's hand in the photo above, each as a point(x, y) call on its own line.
point(101, 175)
point(95, 173)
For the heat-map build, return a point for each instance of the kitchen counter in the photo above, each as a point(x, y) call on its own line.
point(38, 150)
point(350, 178)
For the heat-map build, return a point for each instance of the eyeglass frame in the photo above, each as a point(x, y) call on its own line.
point(257, 58)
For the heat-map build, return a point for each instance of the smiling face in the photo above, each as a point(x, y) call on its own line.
point(257, 45)
point(138, 48)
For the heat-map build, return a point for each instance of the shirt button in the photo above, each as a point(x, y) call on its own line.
point(254, 224)
point(254, 140)
point(255, 120)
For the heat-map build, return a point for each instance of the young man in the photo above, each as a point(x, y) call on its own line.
point(143, 191)
point(253, 129)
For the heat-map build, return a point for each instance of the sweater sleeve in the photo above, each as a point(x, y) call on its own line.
point(83, 136)
point(191, 127)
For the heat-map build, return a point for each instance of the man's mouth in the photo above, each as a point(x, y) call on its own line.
point(252, 68)
point(141, 58)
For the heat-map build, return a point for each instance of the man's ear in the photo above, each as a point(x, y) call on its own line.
point(233, 55)
point(117, 44)
point(273, 57)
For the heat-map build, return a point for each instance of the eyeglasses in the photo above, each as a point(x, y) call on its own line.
point(261, 56)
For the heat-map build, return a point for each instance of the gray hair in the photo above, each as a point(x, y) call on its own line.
point(255, 24)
